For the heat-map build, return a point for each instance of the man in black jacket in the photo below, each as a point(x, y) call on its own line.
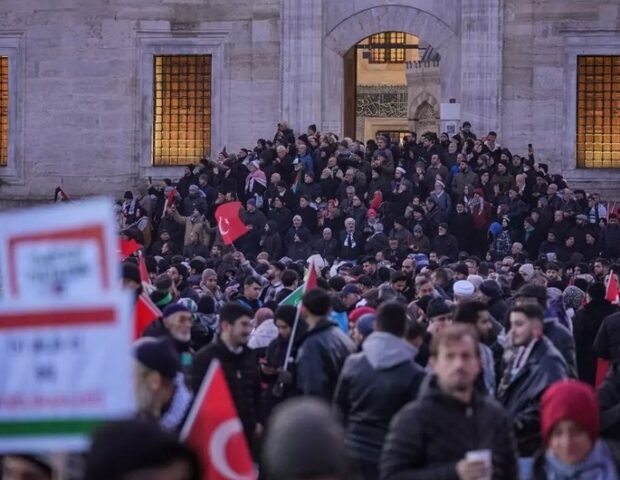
point(238, 363)
point(430, 438)
point(323, 349)
point(560, 336)
point(374, 384)
point(535, 365)
point(351, 242)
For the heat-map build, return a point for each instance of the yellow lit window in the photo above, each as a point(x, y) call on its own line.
point(387, 47)
point(4, 110)
point(598, 111)
point(181, 109)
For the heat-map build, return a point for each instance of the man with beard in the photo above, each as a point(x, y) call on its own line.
point(161, 393)
point(238, 363)
point(274, 275)
point(327, 246)
point(476, 314)
point(462, 224)
point(176, 324)
point(188, 179)
point(430, 437)
point(535, 366)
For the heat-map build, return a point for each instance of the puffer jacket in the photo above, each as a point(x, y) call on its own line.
point(373, 386)
point(520, 392)
point(322, 353)
point(429, 436)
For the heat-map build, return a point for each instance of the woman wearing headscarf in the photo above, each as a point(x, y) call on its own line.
point(569, 419)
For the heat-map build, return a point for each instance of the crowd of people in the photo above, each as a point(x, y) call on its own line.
point(460, 325)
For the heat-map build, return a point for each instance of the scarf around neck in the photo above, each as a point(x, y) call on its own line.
point(599, 465)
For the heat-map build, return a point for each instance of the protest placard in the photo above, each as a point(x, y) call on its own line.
point(66, 328)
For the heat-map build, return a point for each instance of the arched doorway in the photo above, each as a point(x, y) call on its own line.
point(392, 85)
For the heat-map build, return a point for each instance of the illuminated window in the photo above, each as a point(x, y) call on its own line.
point(387, 47)
point(598, 112)
point(4, 111)
point(181, 109)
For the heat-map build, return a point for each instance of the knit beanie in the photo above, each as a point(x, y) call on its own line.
point(366, 324)
point(437, 307)
point(573, 297)
point(358, 312)
point(569, 400)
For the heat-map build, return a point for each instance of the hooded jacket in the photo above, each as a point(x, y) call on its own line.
point(373, 386)
point(430, 435)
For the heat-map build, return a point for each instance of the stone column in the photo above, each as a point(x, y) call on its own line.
point(302, 36)
point(481, 63)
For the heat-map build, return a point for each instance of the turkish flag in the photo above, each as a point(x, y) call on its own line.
point(145, 312)
point(169, 201)
point(612, 289)
point(229, 222)
point(214, 431)
point(602, 367)
point(129, 247)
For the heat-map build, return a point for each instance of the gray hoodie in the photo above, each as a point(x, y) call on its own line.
point(384, 350)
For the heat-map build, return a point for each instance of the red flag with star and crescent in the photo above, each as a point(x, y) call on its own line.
point(214, 431)
point(229, 222)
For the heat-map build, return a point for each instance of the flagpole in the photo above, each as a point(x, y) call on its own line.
point(289, 347)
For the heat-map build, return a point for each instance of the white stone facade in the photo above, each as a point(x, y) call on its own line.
point(80, 86)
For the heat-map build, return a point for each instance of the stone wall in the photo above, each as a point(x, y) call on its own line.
point(79, 83)
point(541, 42)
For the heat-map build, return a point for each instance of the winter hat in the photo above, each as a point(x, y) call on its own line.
point(401, 170)
point(286, 313)
point(351, 289)
point(194, 188)
point(527, 271)
point(319, 453)
point(421, 260)
point(569, 400)
point(437, 307)
point(573, 297)
point(365, 324)
point(206, 305)
point(418, 228)
point(128, 195)
point(443, 225)
point(120, 448)
point(189, 303)
point(491, 288)
point(463, 288)
point(495, 228)
point(355, 314)
point(439, 182)
point(479, 191)
point(371, 213)
point(158, 354)
point(174, 308)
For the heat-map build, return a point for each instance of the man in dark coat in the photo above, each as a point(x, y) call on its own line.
point(491, 292)
point(535, 365)
point(327, 246)
point(188, 179)
point(586, 325)
point(351, 241)
point(429, 438)
point(374, 384)
point(445, 244)
point(462, 224)
point(238, 363)
point(559, 335)
point(323, 350)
